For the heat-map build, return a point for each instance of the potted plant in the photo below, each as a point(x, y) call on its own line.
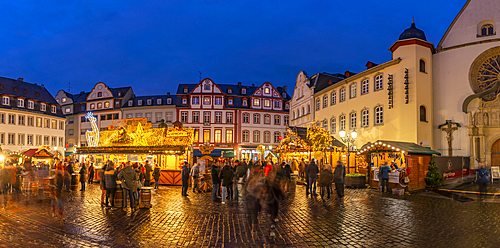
point(355, 180)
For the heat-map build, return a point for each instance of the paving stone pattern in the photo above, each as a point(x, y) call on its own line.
point(365, 218)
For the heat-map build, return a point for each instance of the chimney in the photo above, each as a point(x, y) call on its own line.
point(284, 88)
point(239, 84)
point(370, 64)
point(168, 93)
point(20, 79)
point(253, 85)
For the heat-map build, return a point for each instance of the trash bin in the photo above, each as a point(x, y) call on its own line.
point(293, 183)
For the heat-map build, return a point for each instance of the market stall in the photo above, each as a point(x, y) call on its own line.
point(41, 157)
point(134, 140)
point(311, 142)
point(408, 161)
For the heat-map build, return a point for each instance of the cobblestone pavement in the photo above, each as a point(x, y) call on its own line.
point(366, 218)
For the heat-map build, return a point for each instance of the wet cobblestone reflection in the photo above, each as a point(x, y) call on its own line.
point(365, 218)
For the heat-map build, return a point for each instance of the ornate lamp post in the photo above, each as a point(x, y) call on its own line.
point(349, 139)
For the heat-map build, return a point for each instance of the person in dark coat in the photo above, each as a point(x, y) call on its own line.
point(129, 179)
point(185, 179)
point(109, 179)
point(287, 174)
point(83, 176)
point(156, 176)
point(325, 180)
point(312, 171)
point(339, 179)
point(91, 173)
point(215, 181)
point(101, 183)
point(385, 169)
point(226, 176)
point(56, 201)
point(147, 175)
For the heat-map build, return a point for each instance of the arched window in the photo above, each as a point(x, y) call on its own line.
point(423, 113)
point(487, 30)
point(422, 65)
point(333, 125)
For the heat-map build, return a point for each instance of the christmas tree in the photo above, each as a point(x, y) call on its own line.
point(434, 179)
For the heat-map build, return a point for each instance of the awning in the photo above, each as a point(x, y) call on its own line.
point(405, 146)
point(214, 153)
point(228, 154)
point(30, 152)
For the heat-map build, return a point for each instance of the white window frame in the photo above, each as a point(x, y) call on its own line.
point(342, 94)
point(318, 105)
point(365, 86)
point(43, 107)
point(20, 103)
point(53, 109)
point(6, 100)
point(353, 90)
point(379, 115)
point(333, 125)
point(342, 122)
point(333, 98)
point(31, 104)
point(325, 101)
point(365, 118)
point(379, 82)
point(353, 120)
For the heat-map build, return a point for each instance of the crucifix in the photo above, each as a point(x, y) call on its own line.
point(449, 127)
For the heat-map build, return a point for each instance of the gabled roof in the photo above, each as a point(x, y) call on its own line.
point(18, 88)
point(153, 98)
point(405, 146)
point(452, 24)
point(323, 80)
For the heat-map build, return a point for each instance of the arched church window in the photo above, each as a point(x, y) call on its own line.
point(423, 113)
point(487, 30)
point(422, 65)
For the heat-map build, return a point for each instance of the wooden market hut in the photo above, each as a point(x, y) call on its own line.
point(406, 155)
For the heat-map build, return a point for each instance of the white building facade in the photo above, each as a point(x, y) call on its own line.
point(29, 117)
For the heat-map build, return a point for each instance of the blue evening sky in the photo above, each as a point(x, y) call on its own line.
point(155, 45)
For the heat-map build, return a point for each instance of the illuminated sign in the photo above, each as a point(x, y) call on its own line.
point(92, 136)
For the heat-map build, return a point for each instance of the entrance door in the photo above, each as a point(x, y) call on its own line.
point(495, 153)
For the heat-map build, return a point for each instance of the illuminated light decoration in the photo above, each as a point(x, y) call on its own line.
point(92, 136)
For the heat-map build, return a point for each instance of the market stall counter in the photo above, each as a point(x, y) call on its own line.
point(408, 164)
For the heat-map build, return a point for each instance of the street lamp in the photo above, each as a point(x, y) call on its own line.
point(349, 139)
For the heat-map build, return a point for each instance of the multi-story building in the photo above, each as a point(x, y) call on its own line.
point(233, 118)
point(29, 117)
point(390, 101)
point(302, 102)
point(105, 104)
point(155, 108)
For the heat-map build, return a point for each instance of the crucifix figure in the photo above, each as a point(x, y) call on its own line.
point(449, 127)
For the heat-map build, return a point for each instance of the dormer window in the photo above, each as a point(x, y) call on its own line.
point(20, 103)
point(99, 94)
point(99, 105)
point(31, 104)
point(185, 90)
point(5, 100)
point(43, 107)
point(139, 102)
point(158, 101)
point(120, 93)
point(53, 109)
point(64, 99)
point(286, 106)
point(245, 103)
point(284, 94)
point(169, 100)
point(149, 101)
point(267, 90)
point(106, 105)
point(207, 86)
point(243, 91)
point(230, 101)
point(130, 103)
point(230, 91)
point(184, 101)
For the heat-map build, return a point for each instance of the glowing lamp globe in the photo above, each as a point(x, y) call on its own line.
point(342, 134)
point(354, 134)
